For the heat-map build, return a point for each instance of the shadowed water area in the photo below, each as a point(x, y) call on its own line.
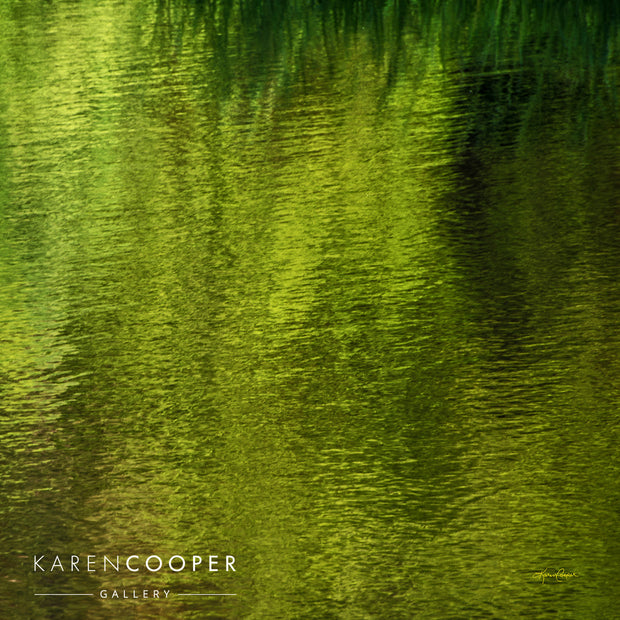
point(331, 287)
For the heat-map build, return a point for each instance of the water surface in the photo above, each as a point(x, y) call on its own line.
point(332, 289)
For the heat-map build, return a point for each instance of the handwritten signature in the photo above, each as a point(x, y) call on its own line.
point(558, 575)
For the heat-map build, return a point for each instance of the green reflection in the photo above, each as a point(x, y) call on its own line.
point(328, 286)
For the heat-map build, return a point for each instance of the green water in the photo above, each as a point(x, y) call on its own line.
point(328, 287)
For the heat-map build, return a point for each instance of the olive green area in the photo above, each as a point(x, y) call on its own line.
point(331, 287)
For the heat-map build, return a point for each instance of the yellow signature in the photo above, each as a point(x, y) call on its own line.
point(558, 575)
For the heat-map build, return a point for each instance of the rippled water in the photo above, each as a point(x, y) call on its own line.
point(331, 290)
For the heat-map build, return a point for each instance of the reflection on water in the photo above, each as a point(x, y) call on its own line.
point(331, 288)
